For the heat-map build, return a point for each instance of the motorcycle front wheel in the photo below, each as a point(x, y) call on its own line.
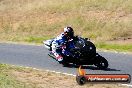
point(101, 62)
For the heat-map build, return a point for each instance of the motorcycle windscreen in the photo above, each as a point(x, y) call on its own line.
point(47, 43)
point(86, 46)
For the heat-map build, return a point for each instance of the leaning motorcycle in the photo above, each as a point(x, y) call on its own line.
point(84, 54)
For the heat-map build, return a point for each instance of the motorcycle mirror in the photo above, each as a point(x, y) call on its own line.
point(87, 39)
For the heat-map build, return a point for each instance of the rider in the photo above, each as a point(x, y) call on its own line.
point(61, 41)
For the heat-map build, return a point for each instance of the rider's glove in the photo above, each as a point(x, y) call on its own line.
point(70, 40)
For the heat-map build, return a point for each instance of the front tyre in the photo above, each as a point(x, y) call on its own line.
point(101, 63)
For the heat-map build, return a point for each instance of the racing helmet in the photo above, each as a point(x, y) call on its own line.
point(68, 31)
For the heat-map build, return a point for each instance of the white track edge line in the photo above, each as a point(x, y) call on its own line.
point(127, 85)
point(62, 73)
point(47, 70)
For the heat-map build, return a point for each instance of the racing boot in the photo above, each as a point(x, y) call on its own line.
point(59, 58)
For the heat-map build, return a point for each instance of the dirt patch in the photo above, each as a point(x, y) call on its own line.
point(44, 79)
point(121, 41)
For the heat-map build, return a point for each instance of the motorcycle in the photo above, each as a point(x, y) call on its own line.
point(84, 53)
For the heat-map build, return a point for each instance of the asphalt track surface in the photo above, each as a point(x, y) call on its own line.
point(36, 57)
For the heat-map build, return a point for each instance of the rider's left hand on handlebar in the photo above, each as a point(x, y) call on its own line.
point(70, 40)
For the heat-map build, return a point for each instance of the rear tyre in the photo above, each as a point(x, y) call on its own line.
point(64, 62)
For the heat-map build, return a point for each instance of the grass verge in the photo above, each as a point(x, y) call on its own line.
point(115, 47)
point(7, 80)
point(20, 77)
point(33, 21)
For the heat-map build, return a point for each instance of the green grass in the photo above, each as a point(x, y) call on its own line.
point(9, 81)
point(36, 39)
point(117, 47)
